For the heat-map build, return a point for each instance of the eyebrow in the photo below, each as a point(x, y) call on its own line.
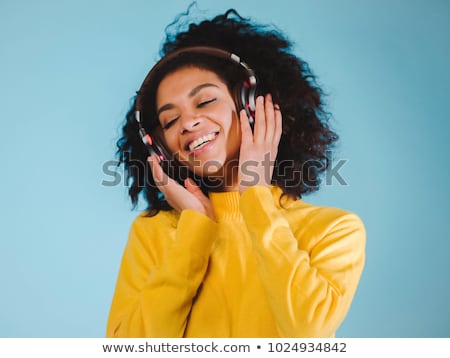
point(192, 93)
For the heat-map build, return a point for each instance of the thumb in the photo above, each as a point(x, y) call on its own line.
point(193, 188)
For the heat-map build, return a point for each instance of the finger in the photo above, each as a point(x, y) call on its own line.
point(278, 126)
point(260, 121)
point(160, 178)
point(270, 118)
point(246, 129)
point(192, 187)
point(195, 190)
point(156, 169)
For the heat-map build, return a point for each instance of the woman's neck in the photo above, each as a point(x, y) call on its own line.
point(226, 179)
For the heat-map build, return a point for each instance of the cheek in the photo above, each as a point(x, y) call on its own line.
point(227, 117)
point(234, 132)
point(171, 140)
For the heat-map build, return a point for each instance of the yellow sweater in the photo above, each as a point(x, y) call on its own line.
point(261, 270)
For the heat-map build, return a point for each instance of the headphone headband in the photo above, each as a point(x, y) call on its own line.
point(203, 50)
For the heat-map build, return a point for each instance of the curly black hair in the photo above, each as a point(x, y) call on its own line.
point(304, 149)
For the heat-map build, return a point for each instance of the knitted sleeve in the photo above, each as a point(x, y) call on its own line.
point(157, 282)
point(309, 286)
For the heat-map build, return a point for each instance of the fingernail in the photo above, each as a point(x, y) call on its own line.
point(269, 97)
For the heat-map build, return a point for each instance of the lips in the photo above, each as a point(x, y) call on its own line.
point(200, 141)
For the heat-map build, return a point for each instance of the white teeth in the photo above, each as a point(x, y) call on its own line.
point(199, 142)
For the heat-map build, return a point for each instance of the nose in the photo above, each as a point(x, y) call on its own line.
point(188, 123)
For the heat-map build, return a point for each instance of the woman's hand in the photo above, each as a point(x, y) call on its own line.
point(179, 198)
point(259, 149)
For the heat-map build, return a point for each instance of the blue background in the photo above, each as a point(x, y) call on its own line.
point(67, 73)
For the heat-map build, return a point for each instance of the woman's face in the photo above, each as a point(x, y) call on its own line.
point(199, 120)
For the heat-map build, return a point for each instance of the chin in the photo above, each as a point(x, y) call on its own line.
point(209, 168)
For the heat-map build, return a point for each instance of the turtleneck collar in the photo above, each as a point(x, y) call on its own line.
point(227, 204)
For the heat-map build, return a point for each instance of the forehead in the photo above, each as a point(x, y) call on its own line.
point(186, 78)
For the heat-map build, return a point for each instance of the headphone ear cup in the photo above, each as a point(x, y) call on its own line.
point(169, 162)
point(237, 96)
point(158, 144)
point(251, 98)
point(244, 99)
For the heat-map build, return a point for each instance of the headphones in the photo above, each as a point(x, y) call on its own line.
point(244, 94)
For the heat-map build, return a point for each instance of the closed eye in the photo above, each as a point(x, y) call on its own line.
point(205, 103)
point(169, 123)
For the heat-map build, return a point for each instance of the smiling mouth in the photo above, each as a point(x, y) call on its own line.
point(202, 141)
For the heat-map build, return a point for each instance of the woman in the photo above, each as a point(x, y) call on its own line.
point(227, 248)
